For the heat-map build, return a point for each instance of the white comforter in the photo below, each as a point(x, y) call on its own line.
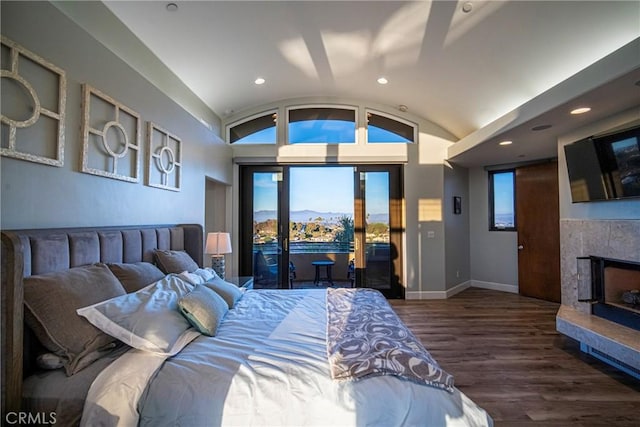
point(266, 366)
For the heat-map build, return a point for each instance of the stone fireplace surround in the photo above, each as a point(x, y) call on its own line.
point(606, 340)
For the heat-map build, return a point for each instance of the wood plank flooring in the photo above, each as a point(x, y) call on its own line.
point(506, 355)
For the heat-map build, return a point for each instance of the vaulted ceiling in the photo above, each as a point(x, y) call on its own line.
point(478, 69)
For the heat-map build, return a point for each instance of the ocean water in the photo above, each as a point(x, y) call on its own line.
point(504, 220)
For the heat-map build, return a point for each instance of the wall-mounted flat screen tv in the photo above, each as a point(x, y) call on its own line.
point(605, 167)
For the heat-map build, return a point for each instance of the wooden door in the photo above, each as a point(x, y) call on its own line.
point(538, 224)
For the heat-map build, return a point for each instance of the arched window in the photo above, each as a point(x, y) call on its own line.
point(259, 129)
point(329, 125)
point(382, 128)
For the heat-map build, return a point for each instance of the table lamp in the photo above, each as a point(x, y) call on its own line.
point(218, 244)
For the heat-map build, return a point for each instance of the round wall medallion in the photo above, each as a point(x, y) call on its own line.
point(29, 91)
point(171, 164)
point(105, 143)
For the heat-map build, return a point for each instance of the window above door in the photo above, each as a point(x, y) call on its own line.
point(321, 123)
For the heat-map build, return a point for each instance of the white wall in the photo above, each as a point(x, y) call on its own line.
point(40, 196)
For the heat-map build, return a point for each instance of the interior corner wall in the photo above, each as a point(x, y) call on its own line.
point(40, 196)
point(456, 226)
point(493, 254)
point(424, 253)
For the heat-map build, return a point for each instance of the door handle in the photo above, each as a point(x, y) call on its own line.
point(520, 247)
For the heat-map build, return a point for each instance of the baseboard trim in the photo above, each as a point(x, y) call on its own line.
point(495, 286)
point(437, 294)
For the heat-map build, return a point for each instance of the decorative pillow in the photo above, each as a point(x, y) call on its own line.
point(228, 291)
point(204, 309)
point(147, 319)
point(174, 261)
point(137, 275)
point(51, 301)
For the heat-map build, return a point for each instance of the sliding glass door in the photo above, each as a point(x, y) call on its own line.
point(307, 226)
point(263, 236)
point(378, 229)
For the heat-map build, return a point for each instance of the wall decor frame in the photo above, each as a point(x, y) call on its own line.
point(164, 158)
point(103, 116)
point(42, 105)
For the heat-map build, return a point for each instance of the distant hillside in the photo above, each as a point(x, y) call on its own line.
point(328, 217)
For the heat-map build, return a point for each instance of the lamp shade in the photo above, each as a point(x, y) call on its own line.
point(218, 243)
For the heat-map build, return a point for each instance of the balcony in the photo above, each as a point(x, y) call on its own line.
point(303, 253)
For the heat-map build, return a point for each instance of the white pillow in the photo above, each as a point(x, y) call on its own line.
point(193, 278)
point(147, 319)
point(207, 273)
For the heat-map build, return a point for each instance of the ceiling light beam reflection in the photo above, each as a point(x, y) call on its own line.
point(297, 53)
point(463, 21)
point(399, 41)
point(347, 52)
point(429, 210)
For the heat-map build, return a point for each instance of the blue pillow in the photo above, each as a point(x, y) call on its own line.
point(228, 291)
point(203, 309)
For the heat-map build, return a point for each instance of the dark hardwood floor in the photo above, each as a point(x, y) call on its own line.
point(506, 355)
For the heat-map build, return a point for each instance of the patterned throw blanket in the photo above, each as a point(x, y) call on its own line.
point(365, 337)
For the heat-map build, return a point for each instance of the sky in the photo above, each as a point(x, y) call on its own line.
point(321, 131)
point(503, 193)
point(322, 189)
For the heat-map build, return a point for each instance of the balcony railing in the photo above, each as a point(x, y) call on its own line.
point(302, 254)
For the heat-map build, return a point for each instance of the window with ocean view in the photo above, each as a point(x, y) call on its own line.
point(502, 216)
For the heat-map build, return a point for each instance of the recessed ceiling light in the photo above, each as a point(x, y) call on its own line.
point(505, 143)
point(382, 80)
point(540, 127)
point(581, 110)
point(172, 7)
point(467, 7)
point(259, 81)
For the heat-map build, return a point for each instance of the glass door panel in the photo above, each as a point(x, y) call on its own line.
point(321, 224)
point(377, 251)
point(262, 240)
point(378, 229)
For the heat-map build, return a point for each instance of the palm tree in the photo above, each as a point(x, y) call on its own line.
point(345, 234)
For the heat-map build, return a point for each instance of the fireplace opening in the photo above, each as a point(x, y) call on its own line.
point(615, 290)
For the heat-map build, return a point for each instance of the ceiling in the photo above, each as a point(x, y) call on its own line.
point(479, 69)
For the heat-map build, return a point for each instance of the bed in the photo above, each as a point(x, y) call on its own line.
point(273, 357)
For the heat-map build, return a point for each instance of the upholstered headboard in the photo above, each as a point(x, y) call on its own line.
point(32, 252)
